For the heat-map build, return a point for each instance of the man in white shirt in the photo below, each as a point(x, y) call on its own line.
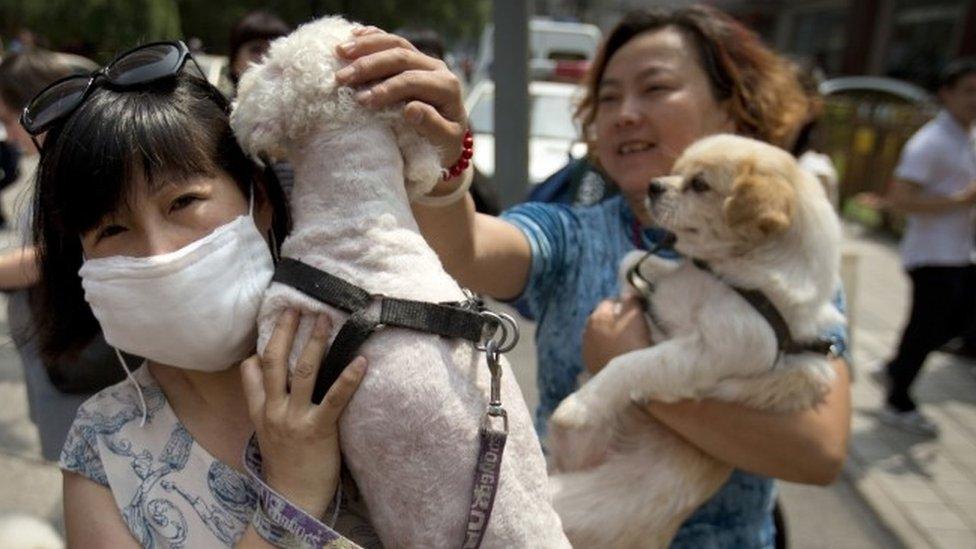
point(935, 185)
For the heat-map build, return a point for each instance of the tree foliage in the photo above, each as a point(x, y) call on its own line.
point(99, 28)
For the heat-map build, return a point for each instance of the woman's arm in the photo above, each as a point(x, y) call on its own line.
point(806, 446)
point(91, 518)
point(18, 268)
point(483, 253)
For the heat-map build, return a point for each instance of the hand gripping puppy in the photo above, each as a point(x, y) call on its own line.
point(410, 435)
point(758, 235)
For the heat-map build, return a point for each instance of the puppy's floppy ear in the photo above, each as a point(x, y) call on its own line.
point(761, 204)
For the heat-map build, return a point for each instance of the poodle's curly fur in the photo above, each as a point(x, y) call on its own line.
point(293, 94)
point(410, 434)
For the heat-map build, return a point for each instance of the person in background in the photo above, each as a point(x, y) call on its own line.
point(250, 38)
point(817, 163)
point(9, 168)
point(661, 80)
point(55, 388)
point(935, 185)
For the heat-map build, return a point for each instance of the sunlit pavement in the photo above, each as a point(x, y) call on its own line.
point(923, 491)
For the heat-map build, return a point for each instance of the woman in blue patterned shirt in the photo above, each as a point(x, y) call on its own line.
point(660, 81)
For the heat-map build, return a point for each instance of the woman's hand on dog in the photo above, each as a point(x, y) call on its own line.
point(299, 440)
point(390, 70)
point(615, 327)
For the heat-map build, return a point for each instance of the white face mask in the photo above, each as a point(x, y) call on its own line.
point(195, 308)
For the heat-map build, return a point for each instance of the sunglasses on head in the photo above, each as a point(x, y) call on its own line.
point(139, 66)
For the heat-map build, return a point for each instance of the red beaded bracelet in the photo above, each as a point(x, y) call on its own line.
point(464, 161)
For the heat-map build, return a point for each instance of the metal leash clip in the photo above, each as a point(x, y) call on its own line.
point(503, 326)
point(495, 408)
point(502, 339)
point(501, 335)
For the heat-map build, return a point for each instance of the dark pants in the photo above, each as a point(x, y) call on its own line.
point(943, 307)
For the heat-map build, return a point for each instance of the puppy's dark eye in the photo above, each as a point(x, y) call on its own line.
point(698, 184)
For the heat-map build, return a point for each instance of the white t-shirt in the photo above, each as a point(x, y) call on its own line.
point(942, 159)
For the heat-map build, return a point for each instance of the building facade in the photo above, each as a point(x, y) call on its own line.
point(905, 39)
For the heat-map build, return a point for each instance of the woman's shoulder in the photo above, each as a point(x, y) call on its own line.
point(123, 400)
point(111, 412)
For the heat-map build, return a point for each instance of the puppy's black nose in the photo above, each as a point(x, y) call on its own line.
point(656, 190)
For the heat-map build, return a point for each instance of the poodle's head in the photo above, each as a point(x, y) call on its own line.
point(292, 95)
point(729, 195)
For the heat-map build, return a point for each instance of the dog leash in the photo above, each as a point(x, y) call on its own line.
point(490, 332)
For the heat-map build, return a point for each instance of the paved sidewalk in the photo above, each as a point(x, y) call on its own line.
point(923, 489)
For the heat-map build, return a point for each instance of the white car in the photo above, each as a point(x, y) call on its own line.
point(553, 134)
point(549, 42)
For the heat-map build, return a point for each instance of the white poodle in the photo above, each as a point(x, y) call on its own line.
point(759, 222)
point(410, 435)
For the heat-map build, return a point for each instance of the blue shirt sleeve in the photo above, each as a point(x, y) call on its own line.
point(839, 334)
point(553, 234)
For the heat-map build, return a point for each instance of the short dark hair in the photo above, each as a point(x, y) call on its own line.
point(255, 25)
point(955, 71)
point(166, 131)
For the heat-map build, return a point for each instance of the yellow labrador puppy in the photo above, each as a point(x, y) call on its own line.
point(738, 319)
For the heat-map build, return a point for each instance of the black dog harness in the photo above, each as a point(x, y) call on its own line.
point(469, 320)
point(785, 343)
point(461, 320)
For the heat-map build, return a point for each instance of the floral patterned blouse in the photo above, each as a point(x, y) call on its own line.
point(170, 491)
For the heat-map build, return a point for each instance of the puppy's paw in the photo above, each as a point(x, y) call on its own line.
point(642, 399)
point(573, 413)
point(577, 449)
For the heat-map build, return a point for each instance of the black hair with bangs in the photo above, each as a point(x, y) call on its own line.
point(167, 131)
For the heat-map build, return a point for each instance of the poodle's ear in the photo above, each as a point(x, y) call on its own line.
point(761, 204)
point(421, 162)
point(255, 118)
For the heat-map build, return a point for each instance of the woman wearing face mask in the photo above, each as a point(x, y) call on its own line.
point(144, 194)
point(661, 81)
